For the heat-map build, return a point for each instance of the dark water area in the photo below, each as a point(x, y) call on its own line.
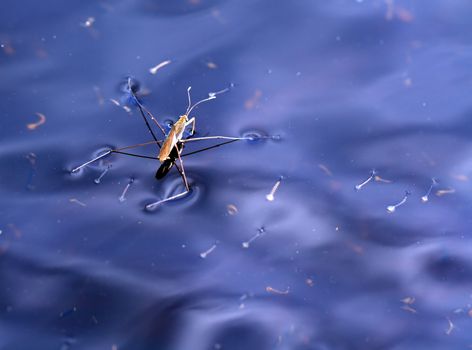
point(338, 88)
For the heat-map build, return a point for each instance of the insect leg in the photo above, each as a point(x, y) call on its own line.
point(191, 121)
point(152, 206)
point(141, 110)
point(217, 138)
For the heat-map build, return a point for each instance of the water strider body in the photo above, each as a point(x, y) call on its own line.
point(175, 136)
point(172, 146)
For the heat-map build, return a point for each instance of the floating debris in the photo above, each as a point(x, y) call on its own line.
point(325, 169)
point(231, 209)
point(379, 179)
point(450, 327)
point(207, 252)
point(115, 102)
point(154, 69)
point(252, 102)
point(407, 302)
point(7, 48)
point(309, 282)
point(270, 197)
point(392, 208)
point(211, 65)
point(128, 185)
point(118, 104)
point(460, 177)
point(99, 179)
point(356, 248)
point(425, 198)
point(269, 289)
point(41, 121)
point(75, 200)
point(260, 232)
point(441, 193)
point(372, 174)
point(88, 22)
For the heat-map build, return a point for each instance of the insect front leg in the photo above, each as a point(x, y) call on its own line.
point(191, 121)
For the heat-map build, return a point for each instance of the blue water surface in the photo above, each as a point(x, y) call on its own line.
point(337, 88)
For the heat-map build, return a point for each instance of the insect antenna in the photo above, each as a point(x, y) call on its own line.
point(211, 96)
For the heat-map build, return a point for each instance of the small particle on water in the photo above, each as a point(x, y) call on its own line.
point(76, 201)
point(373, 173)
point(407, 304)
point(408, 300)
point(450, 327)
point(391, 208)
point(211, 65)
point(269, 289)
point(325, 169)
point(88, 22)
point(380, 179)
point(298, 74)
point(114, 347)
point(184, 246)
point(208, 252)
point(260, 232)
point(41, 121)
point(122, 198)
point(310, 282)
point(270, 196)
point(231, 209)
point(252, 102)
point(99, 179)
point(115, 102)
point(441, 193)
point(154, 69)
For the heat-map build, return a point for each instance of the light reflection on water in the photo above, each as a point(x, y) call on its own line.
point(345, 87)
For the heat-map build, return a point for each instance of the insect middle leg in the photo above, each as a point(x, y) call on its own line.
point(191, 121)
